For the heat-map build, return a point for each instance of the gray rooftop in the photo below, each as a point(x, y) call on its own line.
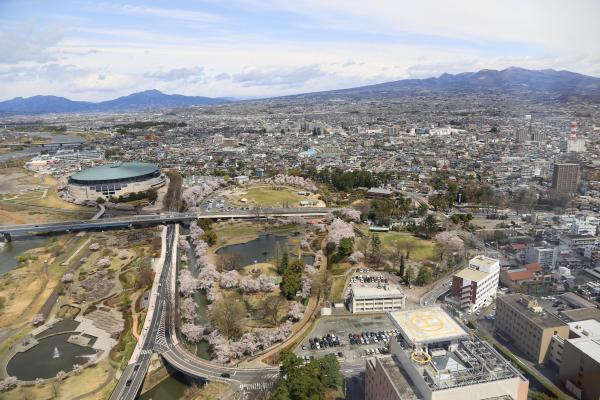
point(115, 171)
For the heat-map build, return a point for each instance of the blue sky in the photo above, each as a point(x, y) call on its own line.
point(96, 50)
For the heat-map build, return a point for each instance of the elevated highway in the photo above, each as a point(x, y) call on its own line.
point(7, 232)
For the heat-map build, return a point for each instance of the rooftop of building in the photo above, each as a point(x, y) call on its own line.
point(363, 292)
point(427, 325)
point(585, 328)
point(126, 170)
point(471, 274)
point(581, 314)
point(482, 261)
point(470, 362)
point(539, 317)
point(576, 300)
point(398, 377)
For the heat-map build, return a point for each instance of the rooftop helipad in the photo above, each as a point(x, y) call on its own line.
point(427, 325)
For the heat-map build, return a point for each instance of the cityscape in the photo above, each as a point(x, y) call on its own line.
point(275, 200)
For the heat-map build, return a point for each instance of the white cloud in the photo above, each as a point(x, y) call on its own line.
point(28, 43)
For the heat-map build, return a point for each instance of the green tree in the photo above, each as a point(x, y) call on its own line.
point(306, 382)
point(375, 254)
point(409, 275)
point(210, 237)
point(401, 270)
point(345, 248)
point(285, 258)
point(291, 281)
point(100, 200)
point(429, 226)
point(423, 208)
point(424, 276)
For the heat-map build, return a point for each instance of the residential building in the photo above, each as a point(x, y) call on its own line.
point(565, 177)
point(530, 273)
point(475, 286)
point(373, 299)
point(544, 256)
point(530, 327)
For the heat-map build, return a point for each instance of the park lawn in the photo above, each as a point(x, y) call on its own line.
point(340, 268)
point(235, 232)
point(266, 196)
point(266, 269)
point(420, 249)
point(337, 288)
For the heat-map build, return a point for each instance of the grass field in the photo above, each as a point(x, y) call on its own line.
point(266, 196)
point(337, 288)
point(420, 249)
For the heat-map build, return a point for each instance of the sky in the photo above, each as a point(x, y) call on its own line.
point(99, 50)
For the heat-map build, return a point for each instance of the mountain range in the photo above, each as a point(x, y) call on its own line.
point(149, 99)
point(547, 84)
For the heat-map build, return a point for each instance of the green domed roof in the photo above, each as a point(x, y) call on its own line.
point(117, 171)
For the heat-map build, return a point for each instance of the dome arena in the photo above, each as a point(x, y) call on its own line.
point(117, 179)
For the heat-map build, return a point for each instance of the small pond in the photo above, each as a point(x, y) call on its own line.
point(40, 360)
point(261, 249)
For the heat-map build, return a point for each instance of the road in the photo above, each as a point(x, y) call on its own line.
point(439, 289)
point(133, 376)
point(155, 219)
point(161, 338)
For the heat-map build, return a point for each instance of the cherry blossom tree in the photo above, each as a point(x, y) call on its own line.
point(356, 257)
point(450, 240)
point(351, 214)
point(192, 333)
point(339, 230)
point(61, 375)
point(188, 309)
point(67, 278)
point(306, 286)
point(8, 383)
point(229, 279)
point(295, 310)
point(266, 283)
point(184, 244)
point(207, 276)
point(295, 181)
point(187, 283)
point(103, 262)
point(94, 246)
point(249, 285)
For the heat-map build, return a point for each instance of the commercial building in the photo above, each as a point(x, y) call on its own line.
point(545, 256)
point(475, 286)
point(530, 327)
point(114, 180)
point(565, 177)
point(373, 299)
point(435, 358)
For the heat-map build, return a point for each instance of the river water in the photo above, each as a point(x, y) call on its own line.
point(9, 250)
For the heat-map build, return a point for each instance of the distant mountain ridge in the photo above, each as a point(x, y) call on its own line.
point(149, 99)
point(547, 85)
point(560, 85)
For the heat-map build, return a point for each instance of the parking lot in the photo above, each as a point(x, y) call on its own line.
point(363, 326)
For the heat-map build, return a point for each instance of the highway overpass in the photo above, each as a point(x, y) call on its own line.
point(7, 232)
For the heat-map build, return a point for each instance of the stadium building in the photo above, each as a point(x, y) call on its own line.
point(116, 180)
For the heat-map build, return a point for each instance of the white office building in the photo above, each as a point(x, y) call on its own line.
point(475, 286)
point(373, 299)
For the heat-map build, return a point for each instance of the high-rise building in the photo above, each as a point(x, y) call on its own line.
point(565, 177)
point(522, 134)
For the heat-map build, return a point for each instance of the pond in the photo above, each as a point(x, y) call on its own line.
point(261, 249)
point(9, 250)
point(40, 360)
